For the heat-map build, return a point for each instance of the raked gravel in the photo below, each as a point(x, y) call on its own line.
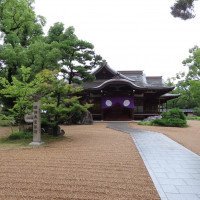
point(93, 163)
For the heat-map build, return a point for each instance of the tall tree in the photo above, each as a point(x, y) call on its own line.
point(77, 56)
point(188, 84)
point(195, 90)
point(193, 64)
point(19, 27)
point(183, 9)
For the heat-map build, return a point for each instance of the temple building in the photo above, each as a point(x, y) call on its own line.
point(125, 95)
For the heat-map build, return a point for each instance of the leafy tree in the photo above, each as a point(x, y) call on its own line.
point(183, 87)
point(19, 23)
point(193, 63)
point(77, 56)
point(187, 84)
point(195, 90)
point(41, 55)
point(183, 9)
point(19, 27)
point(22, 91)
point(60, 103)
point(57, 97)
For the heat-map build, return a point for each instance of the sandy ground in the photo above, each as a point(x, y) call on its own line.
point(188, 137)
point(93, 163)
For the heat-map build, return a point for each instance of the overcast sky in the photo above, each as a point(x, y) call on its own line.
point(129, 34)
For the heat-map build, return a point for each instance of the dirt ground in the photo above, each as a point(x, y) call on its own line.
point(93, 163)
point(188, 137)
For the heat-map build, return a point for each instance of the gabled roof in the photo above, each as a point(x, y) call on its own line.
point(135, 79)
point(104, 67)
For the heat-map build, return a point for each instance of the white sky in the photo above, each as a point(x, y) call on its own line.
point(129, 34)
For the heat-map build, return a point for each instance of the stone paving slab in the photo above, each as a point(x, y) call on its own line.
point(174, 169)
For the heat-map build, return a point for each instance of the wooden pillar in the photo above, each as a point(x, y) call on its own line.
point(132, 114)
point(102, 114)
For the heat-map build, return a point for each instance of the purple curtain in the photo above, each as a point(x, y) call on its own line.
point(108, 102)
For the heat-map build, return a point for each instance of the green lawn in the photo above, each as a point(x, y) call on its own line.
point(193, 118)
point(6, 143)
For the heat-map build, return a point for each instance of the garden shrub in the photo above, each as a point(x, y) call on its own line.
point(20, 135)
point(160, 122)
point(173, 118)
point(173, 122)
point(174, 113)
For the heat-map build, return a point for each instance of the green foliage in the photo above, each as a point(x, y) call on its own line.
point(197, 111)
point(172, 122)
point(193, 63)
point(23, 44)
point(174, 113)
point(41, 55)
point(174, 118)
point(19, 23)
point(193, 118)
point(5, 123)
point(76, 117)
point(19, 135)
point(183, 9)
point(188, 85)
point(195, 91)
point(19, 27)
point(22, 91)
point(60, 103)
point(147, 123)
point(77, 56)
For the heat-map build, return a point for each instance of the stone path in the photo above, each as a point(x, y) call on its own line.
point(174, 169)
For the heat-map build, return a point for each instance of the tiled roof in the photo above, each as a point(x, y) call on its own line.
point(135, 79)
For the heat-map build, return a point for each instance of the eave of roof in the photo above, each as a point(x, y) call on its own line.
point(170, 96)
point(117, 81)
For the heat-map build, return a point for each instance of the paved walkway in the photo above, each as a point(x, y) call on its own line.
point(174, 169)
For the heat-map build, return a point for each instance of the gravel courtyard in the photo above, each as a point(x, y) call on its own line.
point(93, 163)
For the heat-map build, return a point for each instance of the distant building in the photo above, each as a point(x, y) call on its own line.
point(125, 95)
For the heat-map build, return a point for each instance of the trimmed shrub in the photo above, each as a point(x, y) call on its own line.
point(170, 122)
point(20, 135)
point(173, 118)
point(160, 122)
point(174, 113)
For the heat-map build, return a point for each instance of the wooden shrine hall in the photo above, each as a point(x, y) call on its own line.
point(125, 95)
